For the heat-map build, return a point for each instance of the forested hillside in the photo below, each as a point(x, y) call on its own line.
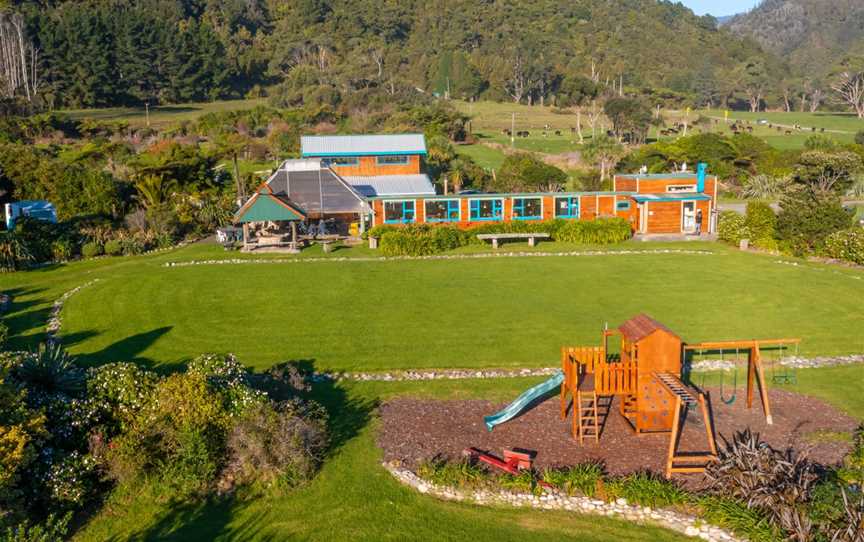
point(813, 35)
point(87, 53)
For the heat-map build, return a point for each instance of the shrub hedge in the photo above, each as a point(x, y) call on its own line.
point(424, 239)
point(761, 223)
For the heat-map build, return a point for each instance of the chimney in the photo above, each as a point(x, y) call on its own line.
point(701, 170)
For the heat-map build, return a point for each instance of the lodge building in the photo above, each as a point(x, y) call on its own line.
point(369, 180)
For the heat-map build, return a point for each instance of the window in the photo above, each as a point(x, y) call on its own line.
point(394, 160)
point(567, 207)
point(340, 161)
point(681, 188)
point(527, 208)
point(399, 212)
point(442, 210)
point(622, 205)
point(487, 209)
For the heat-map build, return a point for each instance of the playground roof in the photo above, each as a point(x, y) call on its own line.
point(362, 145)
point(642, 325)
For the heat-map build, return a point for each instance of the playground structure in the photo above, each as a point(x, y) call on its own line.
point(641, 364)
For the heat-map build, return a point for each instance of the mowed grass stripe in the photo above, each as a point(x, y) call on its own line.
point(455, 313)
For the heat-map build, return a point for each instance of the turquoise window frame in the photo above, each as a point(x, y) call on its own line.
point(453, 211)
point(519, 205)
point(474, 207)
point(404, 160)
point(622, 205)
point(572, 203)
point(409, 212)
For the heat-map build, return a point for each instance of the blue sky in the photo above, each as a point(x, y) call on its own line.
point(719, 7)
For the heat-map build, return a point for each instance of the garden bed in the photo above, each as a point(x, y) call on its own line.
point(414, 431)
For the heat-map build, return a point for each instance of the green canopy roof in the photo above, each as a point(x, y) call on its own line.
point(264, 206)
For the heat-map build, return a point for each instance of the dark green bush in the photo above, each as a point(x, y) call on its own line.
point(91, 250)
point(4, 334)
point(846, 245)
point(113, 247)
point(761, 224)
point(805, 221)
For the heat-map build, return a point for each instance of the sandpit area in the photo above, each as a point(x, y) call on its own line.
point(415, 430)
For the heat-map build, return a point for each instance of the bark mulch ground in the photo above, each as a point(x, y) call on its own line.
point(415, 430)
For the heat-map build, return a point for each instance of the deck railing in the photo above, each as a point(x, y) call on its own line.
point(615, 378)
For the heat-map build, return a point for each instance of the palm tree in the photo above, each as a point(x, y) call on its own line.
point(154, 190)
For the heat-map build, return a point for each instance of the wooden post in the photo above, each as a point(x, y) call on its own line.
point(676, 417)
point(294, 235)
point(709, 429)
point(565, 383)
point(751, 373)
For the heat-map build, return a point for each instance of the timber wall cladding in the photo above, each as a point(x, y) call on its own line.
point(369, 166)
point(659, 186)
point(664, 217)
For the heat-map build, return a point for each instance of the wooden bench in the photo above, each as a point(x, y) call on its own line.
point(495, 237)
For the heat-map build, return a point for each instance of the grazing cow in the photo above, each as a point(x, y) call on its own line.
point(573, 130)
point(557, 132)
point(822, 130)
point(507, 131)
point(812, 128)
point(788, 132)
point(750, 129)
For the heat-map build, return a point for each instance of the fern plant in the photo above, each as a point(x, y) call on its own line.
point(52, 370)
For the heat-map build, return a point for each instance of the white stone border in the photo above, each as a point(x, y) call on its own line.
point(482, 255)
point(52, 329)
point(481, 374)
point(433, 374)
point(555, 500)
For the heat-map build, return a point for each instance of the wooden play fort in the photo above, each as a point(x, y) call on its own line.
point(641, 363)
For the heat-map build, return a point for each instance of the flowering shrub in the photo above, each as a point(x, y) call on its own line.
point(228, 376)
point(118, 391)
point(72, 478)
point(846, 245)
point(732, 228)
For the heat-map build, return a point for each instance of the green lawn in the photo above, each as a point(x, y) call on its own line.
point(401, 314)
point(377, 315)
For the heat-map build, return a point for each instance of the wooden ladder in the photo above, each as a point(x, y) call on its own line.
point(585, 422)
point(685, 463)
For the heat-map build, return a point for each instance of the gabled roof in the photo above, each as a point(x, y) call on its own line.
point(315, 189)
point(642, 325)
point(392, 185)
point(265, 206)
point(362, 145)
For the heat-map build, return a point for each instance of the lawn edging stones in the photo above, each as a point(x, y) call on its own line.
point(555, 500)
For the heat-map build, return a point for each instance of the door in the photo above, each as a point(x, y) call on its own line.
point(688, 217)
point(643, 218)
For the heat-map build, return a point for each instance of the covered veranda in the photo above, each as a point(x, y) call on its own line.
point(269, 222)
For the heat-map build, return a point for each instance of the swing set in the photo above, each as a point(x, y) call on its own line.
point(755, 369)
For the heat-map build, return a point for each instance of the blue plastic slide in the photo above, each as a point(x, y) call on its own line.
point(523, 401)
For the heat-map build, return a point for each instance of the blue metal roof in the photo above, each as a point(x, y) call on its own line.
point(392, 185)
point(362, 145)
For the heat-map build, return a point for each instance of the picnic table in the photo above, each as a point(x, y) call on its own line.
point(495, 237)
